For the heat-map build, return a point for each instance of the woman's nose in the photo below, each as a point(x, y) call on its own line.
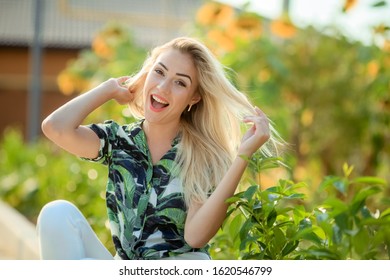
point(163, 86)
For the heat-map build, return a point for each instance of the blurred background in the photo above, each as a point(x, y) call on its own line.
point(319, 69)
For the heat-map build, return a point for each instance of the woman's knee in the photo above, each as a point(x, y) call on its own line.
point(55, 212)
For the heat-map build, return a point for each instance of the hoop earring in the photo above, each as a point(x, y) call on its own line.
point(189, 108)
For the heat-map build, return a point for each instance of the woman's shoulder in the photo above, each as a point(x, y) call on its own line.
point(116, 126)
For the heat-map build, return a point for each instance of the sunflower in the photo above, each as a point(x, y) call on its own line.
point(214, 14)
point(245, 27)
point(283, 28)
point(222, 39)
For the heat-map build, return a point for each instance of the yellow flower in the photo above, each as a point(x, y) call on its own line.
point(264, 75)
point(213, 13)
point(307, 117)
point(386, 46)
point(223, 40)
point(245, 27)
point(283, 28)
point(101, 48)
point(69, 83)
point(65, 83)
point(372, 69)
point(105, 42)
point(348, 4)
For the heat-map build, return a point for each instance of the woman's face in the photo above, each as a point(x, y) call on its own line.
point(170, 87)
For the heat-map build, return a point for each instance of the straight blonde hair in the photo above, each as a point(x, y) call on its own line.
point(211, 131)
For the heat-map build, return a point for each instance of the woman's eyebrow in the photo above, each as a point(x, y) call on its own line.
point(179, 74)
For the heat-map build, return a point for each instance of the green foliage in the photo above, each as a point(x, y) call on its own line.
point(33, 175)
point(275, 223)
point(318, 89)
point(349, 219)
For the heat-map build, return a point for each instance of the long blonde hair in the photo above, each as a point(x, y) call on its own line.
point(211, 131)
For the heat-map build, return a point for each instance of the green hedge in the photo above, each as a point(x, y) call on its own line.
point(346, 218)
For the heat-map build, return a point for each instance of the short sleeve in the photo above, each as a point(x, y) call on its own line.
point(106, 132)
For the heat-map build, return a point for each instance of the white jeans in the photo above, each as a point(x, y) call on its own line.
point(65, 234)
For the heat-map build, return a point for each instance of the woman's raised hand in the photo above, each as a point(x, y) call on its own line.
point(120, 89)
point(257, 135)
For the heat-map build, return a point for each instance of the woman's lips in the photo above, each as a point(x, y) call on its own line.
point(158, 103)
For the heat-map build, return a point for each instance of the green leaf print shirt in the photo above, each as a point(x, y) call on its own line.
point(145, 202)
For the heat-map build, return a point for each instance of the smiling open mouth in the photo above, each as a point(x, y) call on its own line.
point(158, 103)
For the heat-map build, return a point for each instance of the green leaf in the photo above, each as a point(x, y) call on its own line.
point(337, 235)
point(233, 199)
point(299, 213)
point(289, 247)
point(328, 182)
point(235, 226)
point(341, 185)
point(379, 4)
point(342, 221)
point(230, 212)
point(319, 232)
point(361, 196)
point(293, 187)
point(322, 254)
point(326, 227)
point(261, 245)
point(382, 222)
point(274, 189)
point(248, 243)
point(279, 240)
point(336, 182)
point(306, 234)
point(256, 256)
point(269, 163)
point(361, 241)
point(250, 192)
point(385, 213)
point(305, 223)
point(296, 196)
point(347, 169)
point(244, 232)
point(271, 218)
point(291, 231)
point(284, 224)
point(336, 206)
point(370, 180)
point(366, 214)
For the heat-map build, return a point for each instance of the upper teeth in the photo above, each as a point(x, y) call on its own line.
point(159, 100)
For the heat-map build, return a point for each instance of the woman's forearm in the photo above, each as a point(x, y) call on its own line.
point(203, 221)
point(70, 116)
point(64, 127)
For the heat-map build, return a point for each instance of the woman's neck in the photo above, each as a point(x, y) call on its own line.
point(159, 139)
point(164, 133)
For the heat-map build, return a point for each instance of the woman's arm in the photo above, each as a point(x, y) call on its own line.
point(204, 220)
point(64, 128)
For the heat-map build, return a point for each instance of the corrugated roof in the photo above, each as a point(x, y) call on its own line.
point(73, 23)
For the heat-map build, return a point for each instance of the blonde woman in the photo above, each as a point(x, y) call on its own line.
point(171, 171)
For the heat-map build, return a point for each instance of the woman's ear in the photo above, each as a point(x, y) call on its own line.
point(196, 98)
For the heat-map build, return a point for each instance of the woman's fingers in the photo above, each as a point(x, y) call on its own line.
point(124, 81)
point(260, 122)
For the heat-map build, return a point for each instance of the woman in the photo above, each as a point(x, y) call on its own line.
point(171, 172)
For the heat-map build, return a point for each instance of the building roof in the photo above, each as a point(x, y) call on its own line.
point(73, 23)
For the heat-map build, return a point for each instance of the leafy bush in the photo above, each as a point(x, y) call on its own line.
point(347, 219)
point(275, 223)
point(33, 175)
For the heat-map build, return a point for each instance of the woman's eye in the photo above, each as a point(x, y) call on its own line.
point(181, 83)
point(159, 71)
